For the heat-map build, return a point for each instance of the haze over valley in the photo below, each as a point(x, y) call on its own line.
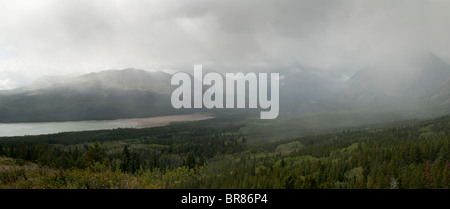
point(368, 97)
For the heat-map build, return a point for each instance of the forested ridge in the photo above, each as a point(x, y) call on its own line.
point(216, 154)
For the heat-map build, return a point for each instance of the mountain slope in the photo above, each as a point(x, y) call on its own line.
point(442, 96)
point(109, 94)
point(402, 82)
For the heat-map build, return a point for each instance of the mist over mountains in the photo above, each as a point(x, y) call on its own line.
point(397, 83)
point(332, 56)
point(109, 94)
point(422, 85)
point(127, 79)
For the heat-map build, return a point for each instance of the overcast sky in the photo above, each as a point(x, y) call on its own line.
point(54, 37)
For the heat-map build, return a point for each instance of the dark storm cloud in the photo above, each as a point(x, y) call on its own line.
point(61, 37)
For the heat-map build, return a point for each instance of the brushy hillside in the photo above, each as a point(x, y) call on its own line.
point(20, 174)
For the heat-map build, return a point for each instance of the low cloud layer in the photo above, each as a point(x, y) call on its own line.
point(52, 37)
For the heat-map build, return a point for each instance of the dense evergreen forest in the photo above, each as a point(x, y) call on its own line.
point(216, 154)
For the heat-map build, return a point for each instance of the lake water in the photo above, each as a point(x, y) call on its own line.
point(22, 129)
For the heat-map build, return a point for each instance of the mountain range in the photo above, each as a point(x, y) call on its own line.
point(423, 84)
point(105, 95)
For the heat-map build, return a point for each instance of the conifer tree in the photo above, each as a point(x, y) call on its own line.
point(93, 154)
point(125, 164)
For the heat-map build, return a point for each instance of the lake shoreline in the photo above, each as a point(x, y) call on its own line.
point(38, 128)
point(166, 120)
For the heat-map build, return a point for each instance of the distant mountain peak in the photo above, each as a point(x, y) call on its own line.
point(126, 79)
point(401, 80)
